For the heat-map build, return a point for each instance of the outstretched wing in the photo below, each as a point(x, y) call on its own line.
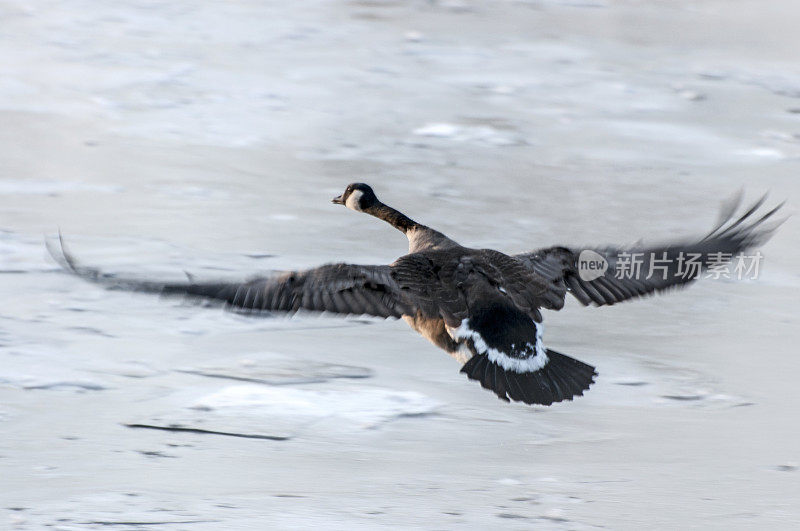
point(338, 288)
point(637, 271)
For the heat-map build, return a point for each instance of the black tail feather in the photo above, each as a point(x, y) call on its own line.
point(562, 378)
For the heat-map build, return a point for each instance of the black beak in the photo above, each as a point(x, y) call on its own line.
point(337, 200)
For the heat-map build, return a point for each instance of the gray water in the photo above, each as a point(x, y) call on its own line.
point(164, 137)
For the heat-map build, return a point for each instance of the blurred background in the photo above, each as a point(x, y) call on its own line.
point(164, 137)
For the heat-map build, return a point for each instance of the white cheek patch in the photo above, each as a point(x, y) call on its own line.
point(521, 365)
point(354, 200)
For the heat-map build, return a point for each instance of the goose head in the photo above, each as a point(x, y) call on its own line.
point(357, 196)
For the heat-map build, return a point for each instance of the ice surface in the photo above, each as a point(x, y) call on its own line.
point(277, 369)
point(164, 137)
point(20, 187)
point(482, 134)
point(364, 407)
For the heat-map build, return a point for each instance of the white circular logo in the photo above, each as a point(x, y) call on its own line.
point(591, 265)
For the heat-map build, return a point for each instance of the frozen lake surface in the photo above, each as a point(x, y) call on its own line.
point(164, 137)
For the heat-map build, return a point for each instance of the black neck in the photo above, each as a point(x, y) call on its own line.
point(394, 217)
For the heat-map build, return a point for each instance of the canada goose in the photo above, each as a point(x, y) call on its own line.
point(479, 305)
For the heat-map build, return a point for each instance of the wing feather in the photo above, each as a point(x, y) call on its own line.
point(660, 266)
point(338, 288)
